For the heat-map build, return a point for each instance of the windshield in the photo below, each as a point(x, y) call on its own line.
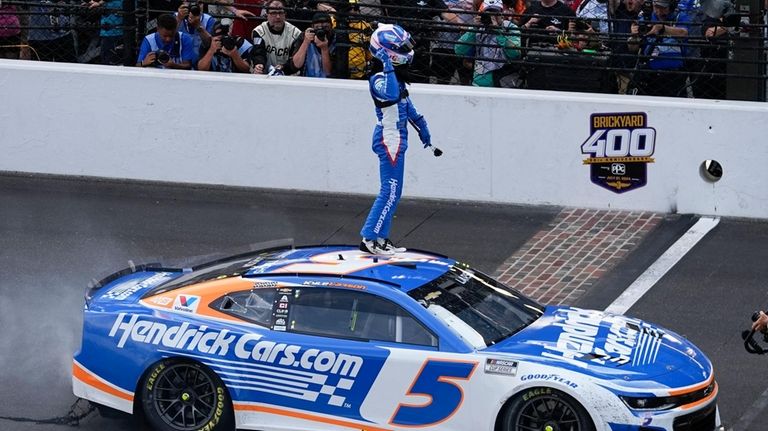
point(476, 307)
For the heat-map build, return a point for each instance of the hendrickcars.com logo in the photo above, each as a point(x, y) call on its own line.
point(620, 147)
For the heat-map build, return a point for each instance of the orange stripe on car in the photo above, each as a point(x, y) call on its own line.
point(97, 382)
point(701, 401)
point(309, 417)
point(693, 388)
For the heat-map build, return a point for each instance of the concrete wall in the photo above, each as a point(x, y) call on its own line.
point(510, 146)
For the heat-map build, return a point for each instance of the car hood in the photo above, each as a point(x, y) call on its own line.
point(608, 346)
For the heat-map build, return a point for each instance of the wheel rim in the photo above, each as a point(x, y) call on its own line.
point(547, 414)
point(184, 397)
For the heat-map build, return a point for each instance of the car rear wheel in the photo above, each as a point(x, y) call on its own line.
point(186, 396)
point(545, 409)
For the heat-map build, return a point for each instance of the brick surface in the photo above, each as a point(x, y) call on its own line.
point(559, 264)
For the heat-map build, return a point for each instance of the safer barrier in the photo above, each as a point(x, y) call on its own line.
point(506, 146)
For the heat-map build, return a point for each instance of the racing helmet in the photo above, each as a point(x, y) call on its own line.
point(395, 41)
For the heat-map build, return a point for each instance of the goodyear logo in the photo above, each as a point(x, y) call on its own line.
point(620, 146)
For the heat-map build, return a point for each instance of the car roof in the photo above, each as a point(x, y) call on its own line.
point(314, 265)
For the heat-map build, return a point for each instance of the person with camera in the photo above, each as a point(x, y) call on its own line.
point(273, 40)
point(167, 48)
point(392, 49)
point(195, 23)
point(659, 41)
point(316, 53)
point(225, 53)
point(492, 43)
point(623, 13)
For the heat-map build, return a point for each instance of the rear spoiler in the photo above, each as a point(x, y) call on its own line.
point(253, 249)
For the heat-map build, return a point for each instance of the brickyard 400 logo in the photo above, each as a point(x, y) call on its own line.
point(620, 147)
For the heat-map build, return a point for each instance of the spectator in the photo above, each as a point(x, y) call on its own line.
point(51, 34)
point(416, 17)
point(167, 48)
point(10, 32)
point(596, 12)
point(300, 12)
point(359, 34)
point(246, 15)
point(496, 42)
point(446, 64)
point(661, 48)
point(714, 55)
point(624, 13)
point(195, 23)
point(315, 55)
point(225, 53)
point(273, 39)
point(546, 18)
point(110, 30)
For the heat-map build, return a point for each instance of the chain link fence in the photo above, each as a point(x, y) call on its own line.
point(600, 46)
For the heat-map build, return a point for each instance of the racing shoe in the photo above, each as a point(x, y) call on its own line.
point(388, 245)
point(374, 247)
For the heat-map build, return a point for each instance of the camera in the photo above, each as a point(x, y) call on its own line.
point(320, 33)
point(195, 10)
point(162, 56)
point(485, 19)
point(228, 42)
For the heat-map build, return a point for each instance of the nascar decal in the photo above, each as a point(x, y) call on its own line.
point(620, 147)
point(625, 342)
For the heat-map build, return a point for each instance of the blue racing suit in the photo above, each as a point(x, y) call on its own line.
point(390, 141)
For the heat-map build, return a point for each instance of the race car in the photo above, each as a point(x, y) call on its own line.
point(332, 338)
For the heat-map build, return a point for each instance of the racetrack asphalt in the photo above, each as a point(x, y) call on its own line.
point(57, 233)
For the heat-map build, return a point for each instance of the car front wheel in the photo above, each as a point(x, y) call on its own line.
point(186, 396)
point(545, 409)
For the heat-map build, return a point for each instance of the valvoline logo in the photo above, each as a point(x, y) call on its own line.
point(186, 303)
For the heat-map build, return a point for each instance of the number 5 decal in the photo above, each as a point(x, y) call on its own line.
point(434, 381)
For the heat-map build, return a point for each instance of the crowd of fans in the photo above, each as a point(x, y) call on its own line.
point(654, 47)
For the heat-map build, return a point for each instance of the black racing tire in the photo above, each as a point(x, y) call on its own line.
point(185, 396)
point(545, 409)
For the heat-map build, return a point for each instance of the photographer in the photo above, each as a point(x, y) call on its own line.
point(495, 42)
point(623, 14)
point(166, 48)
point(225, 53)
point(659, 42)
point(315, 54)
point(195, 23)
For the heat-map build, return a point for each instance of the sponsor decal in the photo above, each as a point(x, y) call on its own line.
point(122, 292)
point(264, 284)
point(333, 284)
point(620, 147)
point(186, 303)
point(387, 206)
point(500, 366)
point(625, 341)
point(549, 378)
point(248, 347)
point(161, 300)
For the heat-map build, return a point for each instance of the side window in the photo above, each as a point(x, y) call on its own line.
point(251, 305)
point(356, 315)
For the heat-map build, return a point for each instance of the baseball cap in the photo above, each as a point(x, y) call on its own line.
point(661, 3)
point(492, 5)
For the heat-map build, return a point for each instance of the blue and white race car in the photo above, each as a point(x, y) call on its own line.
point(331, 338)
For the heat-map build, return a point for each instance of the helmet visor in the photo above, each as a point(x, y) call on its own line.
point(405, 47)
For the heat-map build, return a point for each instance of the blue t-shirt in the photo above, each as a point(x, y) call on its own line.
point(183, 52)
